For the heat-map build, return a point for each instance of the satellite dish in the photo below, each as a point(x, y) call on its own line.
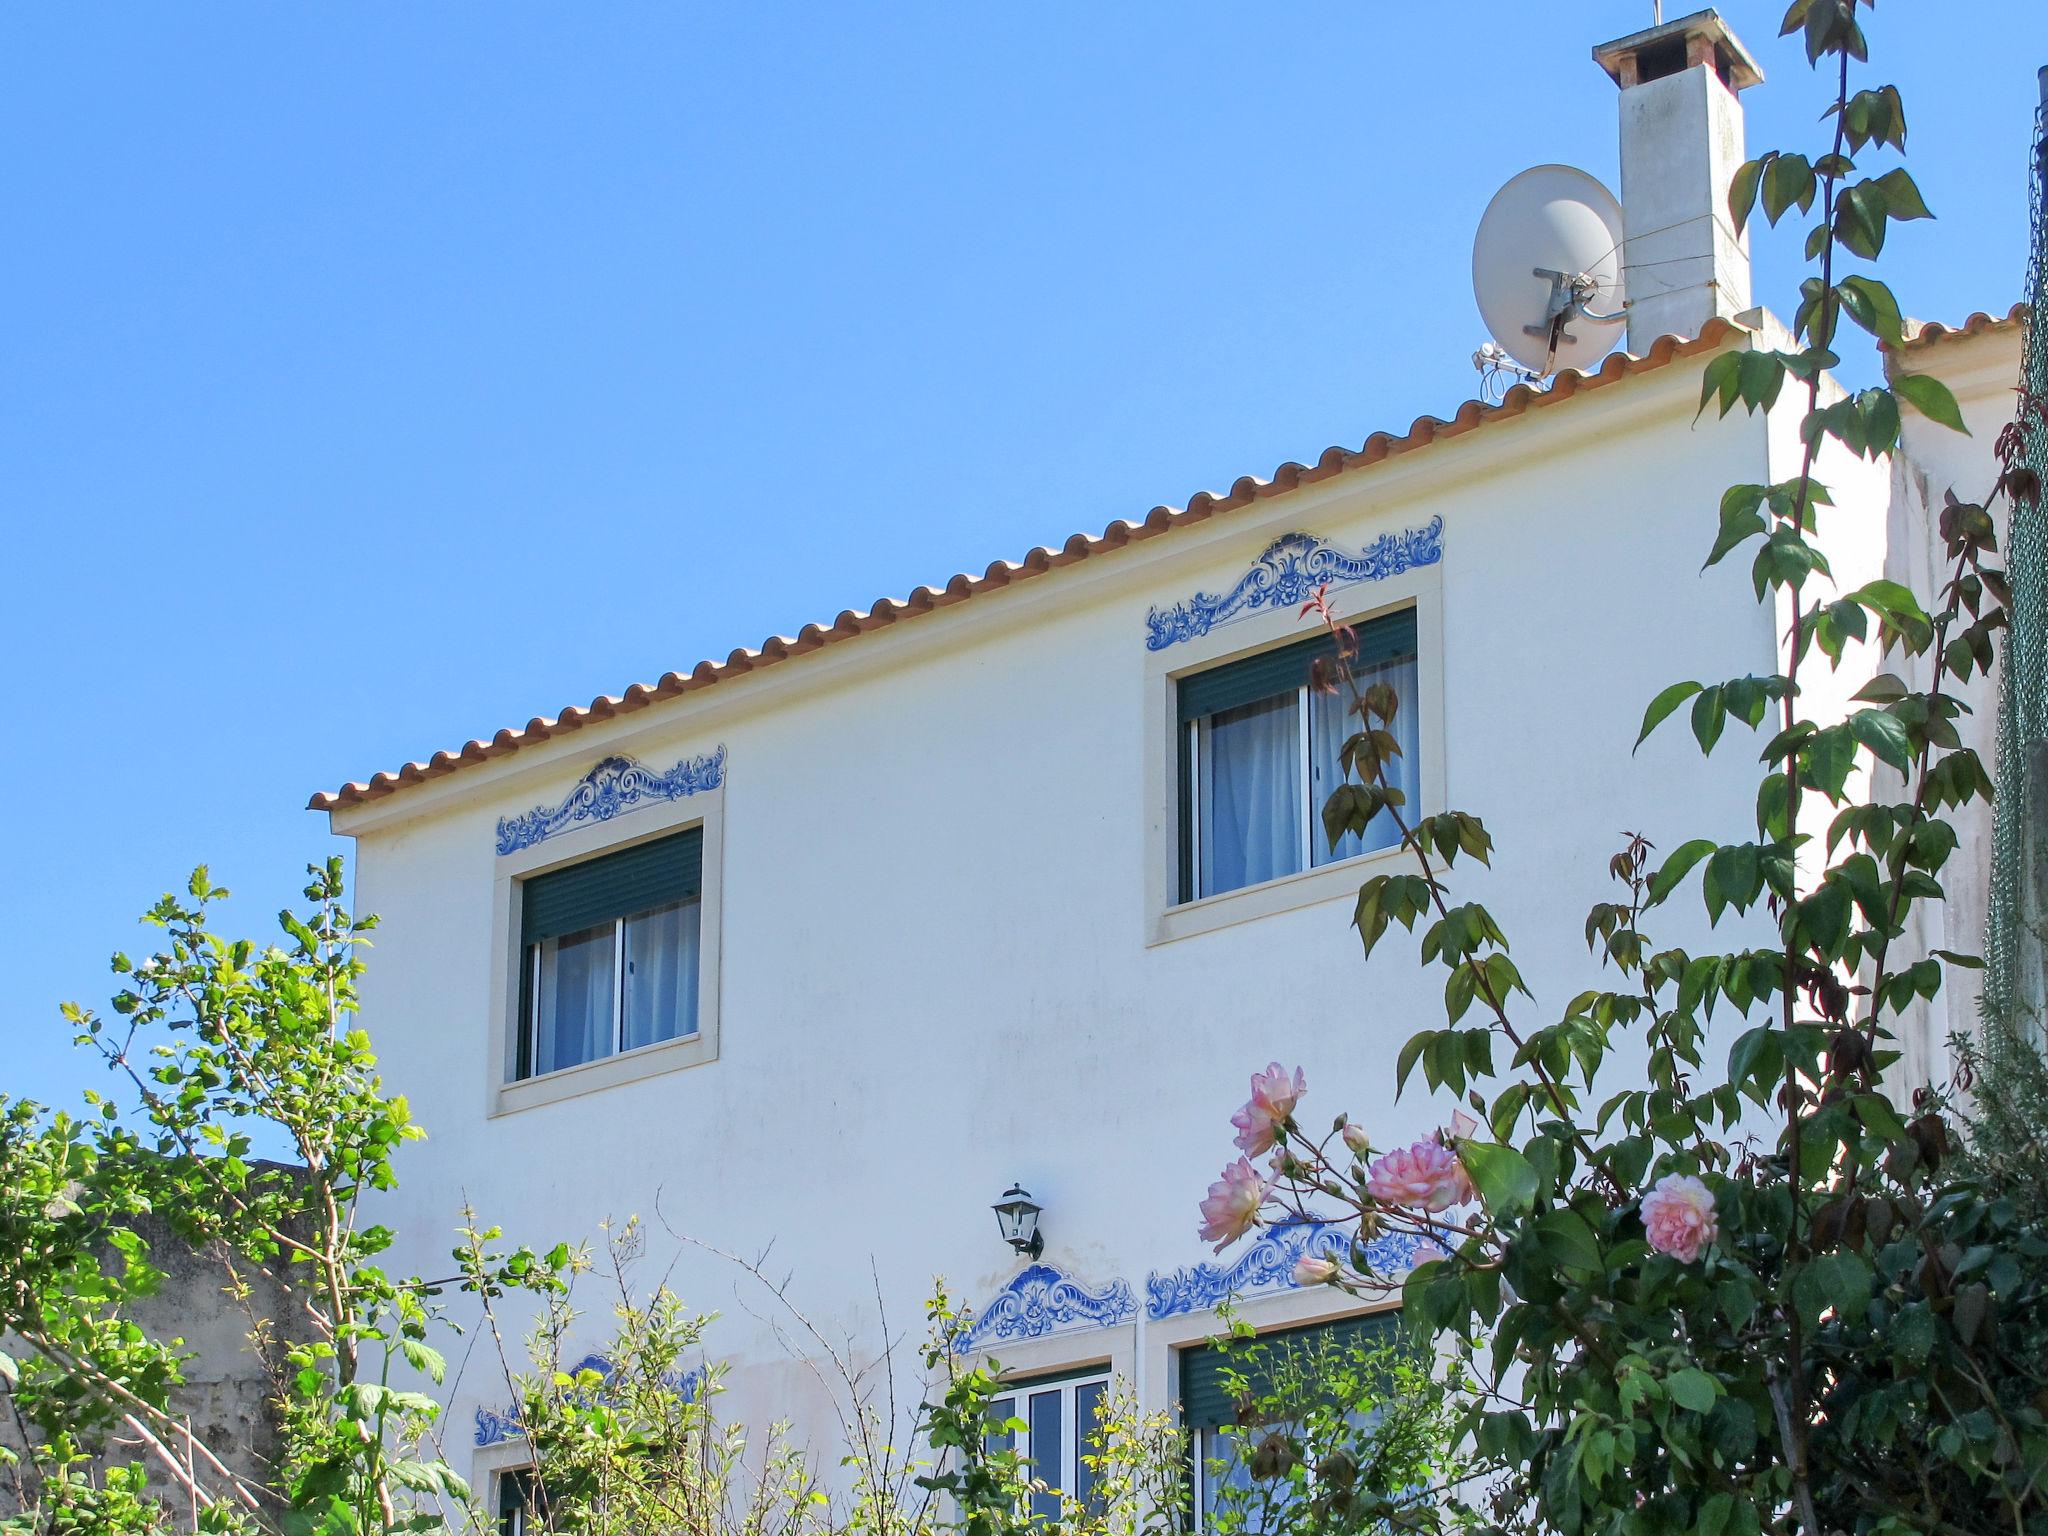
point(1546, 269)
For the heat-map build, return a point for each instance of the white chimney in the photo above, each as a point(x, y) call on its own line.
point(1681, 144)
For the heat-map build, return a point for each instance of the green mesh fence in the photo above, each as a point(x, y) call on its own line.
point(2012, 946)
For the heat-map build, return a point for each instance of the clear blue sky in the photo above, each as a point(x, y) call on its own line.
point(372, 377)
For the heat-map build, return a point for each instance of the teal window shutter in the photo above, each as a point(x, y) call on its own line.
point(1279, 671)
point(636, 879)
point(1206, 1403)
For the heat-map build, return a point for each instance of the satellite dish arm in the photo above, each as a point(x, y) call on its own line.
point(1569, 294)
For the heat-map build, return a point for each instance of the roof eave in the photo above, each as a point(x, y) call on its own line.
point(887, 612)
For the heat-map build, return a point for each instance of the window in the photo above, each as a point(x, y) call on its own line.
point(516, 1503)
point(611, 954)
point(1059, 1416)
point(1282, 1371)
point(1259, 756)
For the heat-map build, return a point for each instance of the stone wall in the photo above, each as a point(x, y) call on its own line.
point(228, 1393)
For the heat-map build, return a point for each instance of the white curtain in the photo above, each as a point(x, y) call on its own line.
point(575, 999)
point(1251, 794)
point(1331, 724)
point(661, 974)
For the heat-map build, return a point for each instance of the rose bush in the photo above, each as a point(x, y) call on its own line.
point(1720, 1301)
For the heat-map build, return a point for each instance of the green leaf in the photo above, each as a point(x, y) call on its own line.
point(1902, 198)
point(1569, 1240)
point(1884, 736)
point(1758, 1057)
point(1871, 305)
point(1661, 707)
point(1860, 219)
point(1677, 867)
point(425, 1359)
point(1789, 179)
point(1409, 1055)
point(1912, 1335)
point(1692, 1389)
point(1742, 190)
point(1505, 1179)
point(1760, 376)
point(1708, 718)
point(1931, 398)
point(1721, 377)
point(1740, 519)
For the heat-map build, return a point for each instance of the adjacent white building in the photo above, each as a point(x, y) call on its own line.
point(820, 947)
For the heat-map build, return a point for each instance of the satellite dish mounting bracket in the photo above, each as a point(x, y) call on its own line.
point(1570, 292)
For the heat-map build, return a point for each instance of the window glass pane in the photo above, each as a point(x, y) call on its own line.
point(1250, 777)
point(1222, 1468)
point(575, 1013)
point(1331, 724)
point(1002, 1409)
point(1227, 1483)
point(1047, 1453)
point(661, 974)
point(1087, 1404)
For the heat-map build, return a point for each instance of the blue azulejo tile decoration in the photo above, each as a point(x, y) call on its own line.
point(495, 1428)
point(1268, 1264)
point(1287, 575)
point(1040, 1300)
point(612, 788)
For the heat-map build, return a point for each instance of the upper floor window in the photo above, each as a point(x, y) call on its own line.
point(1259, 754)
point(1059, 1414)
point(611, 954)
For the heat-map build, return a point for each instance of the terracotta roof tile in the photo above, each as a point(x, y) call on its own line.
point(1923, 333)
point(887, 611)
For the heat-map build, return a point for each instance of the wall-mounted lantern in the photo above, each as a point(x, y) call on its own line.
point(1017, 1219)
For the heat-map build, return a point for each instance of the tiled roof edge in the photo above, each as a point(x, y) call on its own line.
point(1925, 333)
point(1287, 477)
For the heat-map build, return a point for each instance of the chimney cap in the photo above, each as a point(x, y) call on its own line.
point(1701, 38)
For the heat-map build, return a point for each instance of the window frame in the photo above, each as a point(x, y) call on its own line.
point(508, 1093)
point(1019, 1390)
point(533, 964)
point(1167, 917)
point(1191, 739)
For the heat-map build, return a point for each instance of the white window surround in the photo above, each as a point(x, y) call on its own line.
point(490, 1464)
point(1115, 1349)
point(503, 1094)
point(1167, 919)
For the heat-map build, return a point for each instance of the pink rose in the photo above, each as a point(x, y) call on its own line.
point(1678, 1216)
point(1274, 1095)
point(1232, 1208)
point(1425, 1177)
point(1310, 1270)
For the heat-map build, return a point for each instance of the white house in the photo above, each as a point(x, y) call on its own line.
point(823, 945)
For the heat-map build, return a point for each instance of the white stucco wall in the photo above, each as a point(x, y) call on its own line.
point(1981, 371)
point(935, 969)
